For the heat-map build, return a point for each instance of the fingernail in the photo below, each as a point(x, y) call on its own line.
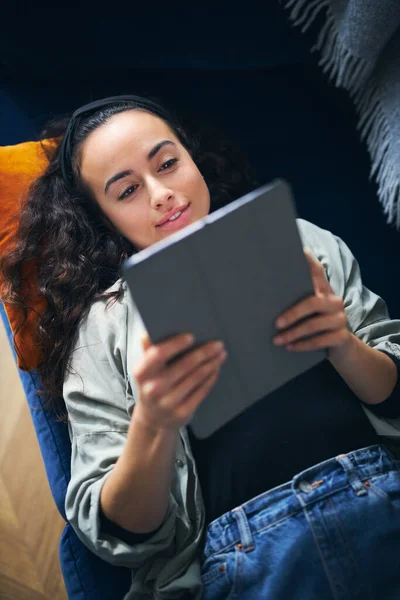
point(189, 338)
point(278, 341)
point(280, 322)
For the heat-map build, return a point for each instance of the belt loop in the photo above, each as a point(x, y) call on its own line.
point(246, 538)
point(351, 472)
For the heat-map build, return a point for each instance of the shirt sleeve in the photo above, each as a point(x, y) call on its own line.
point(391, 406)
point(108, 526)
point(96, 393)
point(369, 319)
point(367, 313)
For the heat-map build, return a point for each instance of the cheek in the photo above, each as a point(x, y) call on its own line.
point(127, 218)
point(195, 185)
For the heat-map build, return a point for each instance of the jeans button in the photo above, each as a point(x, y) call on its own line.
point(179, 463)
point(305, 486)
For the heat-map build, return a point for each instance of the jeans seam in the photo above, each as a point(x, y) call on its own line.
point(216, 575)
point(325, 496)
point(309, 504)
point(238, 576)
point(278, 522)
point(331, 585)
point(343, 535)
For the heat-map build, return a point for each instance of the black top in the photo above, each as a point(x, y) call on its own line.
point(310, 419)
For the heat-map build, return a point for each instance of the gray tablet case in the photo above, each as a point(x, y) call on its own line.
point(228, 276)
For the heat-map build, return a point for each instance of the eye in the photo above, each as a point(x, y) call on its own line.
point(128, 192)
point(168, 164)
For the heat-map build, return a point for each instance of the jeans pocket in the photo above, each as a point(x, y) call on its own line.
point(386, 487)
point(219, 574)
point(213, 573)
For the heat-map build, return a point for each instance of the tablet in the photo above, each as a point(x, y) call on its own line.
point(227, 277)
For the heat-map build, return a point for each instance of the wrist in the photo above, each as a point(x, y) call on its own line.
point(344, 352)
point(150, 426)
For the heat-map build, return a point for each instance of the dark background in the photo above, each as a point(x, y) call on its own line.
point(245, 70)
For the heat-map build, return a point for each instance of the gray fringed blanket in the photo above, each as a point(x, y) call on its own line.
point(360, 50)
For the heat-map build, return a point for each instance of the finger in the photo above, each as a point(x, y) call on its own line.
point(313, 262)
point(188, 364)
point(157, 355)
point(318, 273)
point(190, 385)
point(145, 340)
point(313, 325)
point(311, 305)
point(325, 340)
point(187, 408)
point(169, 382)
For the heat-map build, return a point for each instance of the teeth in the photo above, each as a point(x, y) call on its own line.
point(175, 216)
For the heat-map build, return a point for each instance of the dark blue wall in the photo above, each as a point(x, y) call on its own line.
point(250, 73)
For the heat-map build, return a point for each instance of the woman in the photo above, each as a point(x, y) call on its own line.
point(307, 504)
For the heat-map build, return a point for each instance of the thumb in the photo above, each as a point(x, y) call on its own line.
point(145, 340)
point(318, 274)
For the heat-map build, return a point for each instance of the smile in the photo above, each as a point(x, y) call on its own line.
point(180, 219)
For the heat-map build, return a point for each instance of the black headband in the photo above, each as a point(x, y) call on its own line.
point(66, 144)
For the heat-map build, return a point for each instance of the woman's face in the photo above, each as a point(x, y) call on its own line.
point(140, 175)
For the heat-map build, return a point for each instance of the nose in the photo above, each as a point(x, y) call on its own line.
point(160, 194)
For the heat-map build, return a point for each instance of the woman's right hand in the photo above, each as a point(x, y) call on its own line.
point(169, 393)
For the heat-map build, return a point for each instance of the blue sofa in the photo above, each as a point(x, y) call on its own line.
point(273, 99)
point(86, 577)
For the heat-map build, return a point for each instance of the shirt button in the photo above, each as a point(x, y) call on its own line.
point(179, 463)
point(305, 486)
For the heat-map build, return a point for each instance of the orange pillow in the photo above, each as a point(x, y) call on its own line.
point(20, 165)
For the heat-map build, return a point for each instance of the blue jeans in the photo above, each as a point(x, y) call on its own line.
point(333, 532)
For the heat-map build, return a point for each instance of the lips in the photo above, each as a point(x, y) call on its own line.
point(184, 219)
point(171, 214)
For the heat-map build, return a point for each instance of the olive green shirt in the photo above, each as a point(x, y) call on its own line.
point(100, 396)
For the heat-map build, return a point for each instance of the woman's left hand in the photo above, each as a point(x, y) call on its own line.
point(322, 316)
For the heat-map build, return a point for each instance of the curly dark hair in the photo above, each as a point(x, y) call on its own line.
point(79, 255)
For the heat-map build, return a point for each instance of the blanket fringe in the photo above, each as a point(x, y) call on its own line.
point(353, 73)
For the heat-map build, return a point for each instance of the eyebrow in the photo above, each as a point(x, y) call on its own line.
point(158, 147)
point(116, 177)
point(150, 155)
